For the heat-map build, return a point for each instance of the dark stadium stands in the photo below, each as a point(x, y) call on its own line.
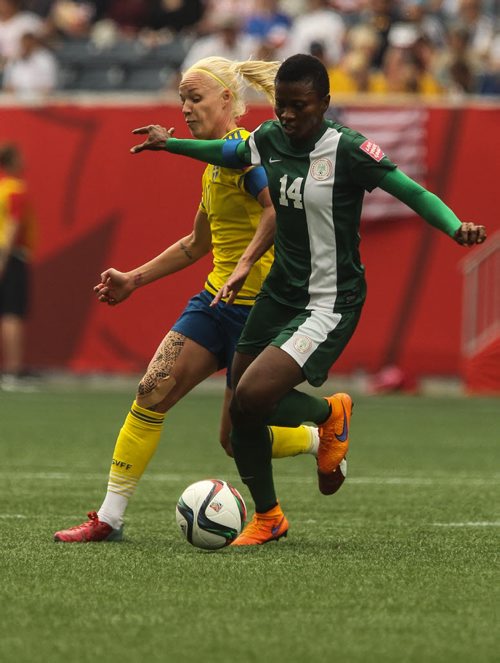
point(127, 65)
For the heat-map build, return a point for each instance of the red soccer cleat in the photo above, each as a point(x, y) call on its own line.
point(330, 483)
point(92, 530)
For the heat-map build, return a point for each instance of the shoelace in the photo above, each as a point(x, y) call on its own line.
point(92, 516)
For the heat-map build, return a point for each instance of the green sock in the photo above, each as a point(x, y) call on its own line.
point(252, 451)
point(297, 407)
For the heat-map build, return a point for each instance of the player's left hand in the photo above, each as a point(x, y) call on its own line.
point(157, 136)
point(469, 234)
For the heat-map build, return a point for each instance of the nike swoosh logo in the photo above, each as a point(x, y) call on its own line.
point(271, 160)
point(275, 529)
point(345, 430)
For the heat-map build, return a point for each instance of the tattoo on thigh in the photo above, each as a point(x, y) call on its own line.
point(162, 363)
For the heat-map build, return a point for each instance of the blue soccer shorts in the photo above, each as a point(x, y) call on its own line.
point(217, 329)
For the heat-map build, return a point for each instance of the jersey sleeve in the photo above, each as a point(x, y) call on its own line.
point(431, 208)
point(368, 162)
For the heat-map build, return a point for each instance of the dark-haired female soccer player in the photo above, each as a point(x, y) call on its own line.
point(311, 301)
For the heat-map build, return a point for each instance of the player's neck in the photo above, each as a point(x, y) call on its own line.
point(226, 128)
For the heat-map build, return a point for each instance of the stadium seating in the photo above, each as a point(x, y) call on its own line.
point(124, 66)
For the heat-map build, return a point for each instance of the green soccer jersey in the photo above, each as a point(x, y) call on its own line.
point(317, 191)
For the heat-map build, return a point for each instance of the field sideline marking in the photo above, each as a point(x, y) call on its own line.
point(479, 523)
point(175, 477)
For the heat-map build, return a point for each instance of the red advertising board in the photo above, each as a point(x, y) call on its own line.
point(99, 206)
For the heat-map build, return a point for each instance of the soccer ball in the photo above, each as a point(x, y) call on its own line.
point(210, 513)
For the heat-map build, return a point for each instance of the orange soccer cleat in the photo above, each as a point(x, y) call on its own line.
point(92, 530)
point(264, 527)
point(334, 443)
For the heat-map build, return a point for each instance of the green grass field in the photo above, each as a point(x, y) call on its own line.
point(400, 565)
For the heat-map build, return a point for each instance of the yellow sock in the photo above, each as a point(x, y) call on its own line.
point(134, 448)
point(293, 441)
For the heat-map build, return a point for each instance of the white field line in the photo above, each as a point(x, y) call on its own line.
point(191, 476)
point(309, 521)
point(12, 516)
point(479, 523)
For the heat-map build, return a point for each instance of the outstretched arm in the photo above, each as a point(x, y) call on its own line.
point(431, 208)
point(116, 286)
point(227, 153)
point(261, 242)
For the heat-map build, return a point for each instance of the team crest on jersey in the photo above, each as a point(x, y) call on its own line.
point(321, 169)
point(372, 149)
point(302, 343)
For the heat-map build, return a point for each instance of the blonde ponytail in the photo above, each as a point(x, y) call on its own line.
point(234, 76)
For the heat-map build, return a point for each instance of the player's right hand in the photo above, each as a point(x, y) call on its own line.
point(469, 234)
point(115, 286)
point(232, 286)
point(157, 136)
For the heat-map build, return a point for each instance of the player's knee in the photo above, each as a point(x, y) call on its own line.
point(149, 396)
point(225, 442)
point(248, 406)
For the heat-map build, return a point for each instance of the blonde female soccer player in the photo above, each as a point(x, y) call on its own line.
point(234, 203)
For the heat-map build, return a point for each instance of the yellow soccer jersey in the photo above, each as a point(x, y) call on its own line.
point(15, 209)
point(233, 215)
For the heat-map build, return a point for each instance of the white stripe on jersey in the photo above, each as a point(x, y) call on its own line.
point(256, 161)
point(318, 207)
point(310, 334)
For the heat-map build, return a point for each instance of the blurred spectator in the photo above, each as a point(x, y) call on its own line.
point(270, 48)
point(227, 41)
point(129, 16)
point(428, 23)
point(348, 9)
point(319, 24)
point(176, 15)
point(481, 28)
point(16, 244)
point(354, 74)
point(266, 20)
point(379, 15)
point(34, 73)
point(14, 23)
point(489, 81)
point(72, 20)
point(407, 66)
point(455, 68)
point(424, 54)
point(363, 38)
point(216, 10)
point(40, 7)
